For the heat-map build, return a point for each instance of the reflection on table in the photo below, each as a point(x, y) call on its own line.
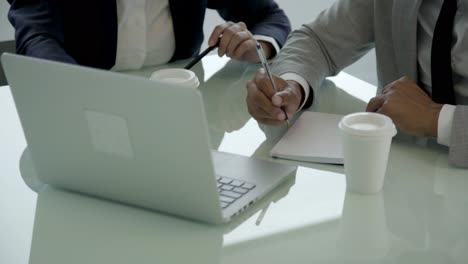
point(73, 228)
point(83, 229)
point(420, 217)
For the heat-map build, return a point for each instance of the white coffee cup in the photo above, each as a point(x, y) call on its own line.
point(182, 77)
point(366, 139)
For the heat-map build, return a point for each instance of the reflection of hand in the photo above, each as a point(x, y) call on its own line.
point(224, 99)
point(236, 41)
point(264, 103)
point(410, 108)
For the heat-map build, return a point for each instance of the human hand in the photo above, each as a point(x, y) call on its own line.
point(410, 108)
point(264, 103)
point(236, 42)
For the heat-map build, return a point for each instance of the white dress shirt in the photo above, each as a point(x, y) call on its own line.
point(146, 34)
point(427, 19)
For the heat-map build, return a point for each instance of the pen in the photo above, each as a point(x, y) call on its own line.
point(263, 60)
point(262, 214)
point(200, 56)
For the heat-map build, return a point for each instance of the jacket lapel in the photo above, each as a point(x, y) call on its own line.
point(404, 30)
point(90, 31)
point(187, 18)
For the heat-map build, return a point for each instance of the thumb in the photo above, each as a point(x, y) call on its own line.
point(375, 103)
point(288, 99)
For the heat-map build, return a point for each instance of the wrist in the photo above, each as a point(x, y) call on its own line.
point(267, 49)
point(298, 90)
point(434, 112)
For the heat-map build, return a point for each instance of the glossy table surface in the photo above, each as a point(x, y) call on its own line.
point(419, 217)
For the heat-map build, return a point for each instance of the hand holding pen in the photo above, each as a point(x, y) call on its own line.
point(233, 40)
point(264, 103)
point(272, 82)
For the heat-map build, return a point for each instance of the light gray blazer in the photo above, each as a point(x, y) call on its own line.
point(349, 29)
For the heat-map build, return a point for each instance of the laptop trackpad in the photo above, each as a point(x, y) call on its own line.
point(236, 166)
point(220, 158)
point(228, 165)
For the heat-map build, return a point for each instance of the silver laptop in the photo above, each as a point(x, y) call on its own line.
point(132, 140)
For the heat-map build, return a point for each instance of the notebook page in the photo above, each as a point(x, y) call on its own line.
point(314, 137)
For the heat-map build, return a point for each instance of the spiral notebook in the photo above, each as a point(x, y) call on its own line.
point(314, 137)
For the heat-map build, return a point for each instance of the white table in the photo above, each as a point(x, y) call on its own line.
point(420, 217)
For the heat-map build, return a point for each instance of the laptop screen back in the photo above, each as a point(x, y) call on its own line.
point(116, 136)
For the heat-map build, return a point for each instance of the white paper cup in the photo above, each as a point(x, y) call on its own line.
point(366, 139)
point(182, 77)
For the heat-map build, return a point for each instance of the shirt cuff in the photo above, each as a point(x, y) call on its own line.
point(444, 126)
point(270, 40)
point(289, 76)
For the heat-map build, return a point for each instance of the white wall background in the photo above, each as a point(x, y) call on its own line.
point(6, 31)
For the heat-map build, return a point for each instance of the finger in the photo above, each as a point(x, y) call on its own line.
point(245, 48)
point(260, 105)
point(236, 43)
point(264, 120)
point(406, 86)
point(387, 89)
point(409, 82)
point(259, 112)
point(380, 111)
point(226, 37)
point(286, 99)
point(384, 111)
point(375, 103)
point(261, 117)
point(263, 83)
point(259, 102)
point(406, 79)
point(218, 30)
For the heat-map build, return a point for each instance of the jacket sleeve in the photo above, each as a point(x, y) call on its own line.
point(338, 37)
point(262, 17)
point(38, 31)
point(458, 152)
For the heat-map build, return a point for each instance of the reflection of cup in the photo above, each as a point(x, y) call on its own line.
point(366, 141)
point(180, 77)
point(363, 230)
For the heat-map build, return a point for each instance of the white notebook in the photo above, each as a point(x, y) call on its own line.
point(314, 137)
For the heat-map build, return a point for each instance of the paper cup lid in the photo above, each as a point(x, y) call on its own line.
point(368, 124)
point(181, 77)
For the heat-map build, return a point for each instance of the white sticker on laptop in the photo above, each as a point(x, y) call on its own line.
point(109, 133)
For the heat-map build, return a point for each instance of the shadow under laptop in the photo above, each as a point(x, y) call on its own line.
point(76, 228)
point(73, 228)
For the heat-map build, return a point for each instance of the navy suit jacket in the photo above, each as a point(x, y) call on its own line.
point(85, 31)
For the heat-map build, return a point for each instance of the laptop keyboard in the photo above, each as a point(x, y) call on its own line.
point(230, 190)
